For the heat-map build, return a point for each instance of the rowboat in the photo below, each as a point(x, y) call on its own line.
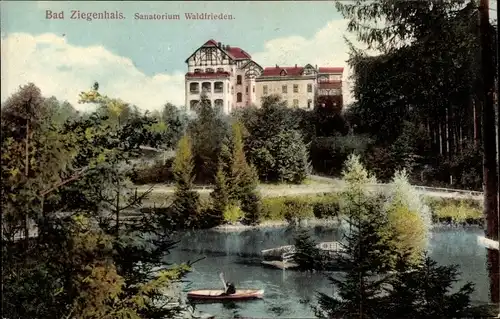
point(218, 294)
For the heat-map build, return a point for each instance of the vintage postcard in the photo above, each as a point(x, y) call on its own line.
point(249, 159)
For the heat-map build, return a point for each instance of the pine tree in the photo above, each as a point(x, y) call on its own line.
point(307, 255)
point(365, 260)
point(424, 291)
point(185, 206)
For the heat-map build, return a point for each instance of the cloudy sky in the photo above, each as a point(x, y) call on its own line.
point(142, 62)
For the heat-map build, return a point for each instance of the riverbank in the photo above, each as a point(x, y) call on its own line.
point(316, 222)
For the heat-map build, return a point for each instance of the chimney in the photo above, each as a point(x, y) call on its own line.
point(277, 66)
point(219, 45)
point(295, 65)
point(228, 47)
point(316, 66)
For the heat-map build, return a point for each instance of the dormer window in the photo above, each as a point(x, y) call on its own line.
point(197, 70)
point(210, 70)
point(283, 73)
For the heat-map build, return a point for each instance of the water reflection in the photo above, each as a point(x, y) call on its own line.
point(289, 294)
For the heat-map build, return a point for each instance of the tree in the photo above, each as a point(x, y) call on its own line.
point(307, 255)
point(274, 145)
point(424, 291)
point(185, 205)
point(364, 257)
point(208, 131)
point(176, 122)
point(409, 218)
point(82, 267)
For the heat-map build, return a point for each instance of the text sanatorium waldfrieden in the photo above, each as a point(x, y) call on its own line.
point(117, 15)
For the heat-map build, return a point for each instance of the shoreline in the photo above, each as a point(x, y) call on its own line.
point(314, 222)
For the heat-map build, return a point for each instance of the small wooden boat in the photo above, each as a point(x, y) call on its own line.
point(218, 294)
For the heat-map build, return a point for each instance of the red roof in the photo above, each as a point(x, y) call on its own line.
point(207, 75)
point(289, 71)
point(211, 42)
point(330, 70)
point(238, 53)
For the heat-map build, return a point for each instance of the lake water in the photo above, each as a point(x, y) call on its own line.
point(288, 294)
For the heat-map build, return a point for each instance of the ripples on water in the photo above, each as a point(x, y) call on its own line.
point(289, 294)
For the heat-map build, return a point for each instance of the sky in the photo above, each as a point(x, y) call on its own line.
point(143, 61)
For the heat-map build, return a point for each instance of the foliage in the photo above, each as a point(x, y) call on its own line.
point(95, 265)
point(176, 122)
point(327, 209)
point(424, 291)
point(409, 218)
point(233, 213)
point(185, 206)
point(307, 256)
point(274, 145)
point(329, 153)
point(458, 212)
point(295, 210)
point(208, 130)
point(365, 253)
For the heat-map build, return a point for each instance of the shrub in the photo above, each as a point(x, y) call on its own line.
point(457, 212)
point(233, 213)
point(327, 209)
point(297, 209)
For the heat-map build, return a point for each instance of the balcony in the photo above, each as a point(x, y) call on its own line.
point(218, 90)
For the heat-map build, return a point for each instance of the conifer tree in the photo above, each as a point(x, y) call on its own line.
point(185, 205)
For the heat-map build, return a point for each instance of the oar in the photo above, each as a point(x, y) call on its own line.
point(221, 276)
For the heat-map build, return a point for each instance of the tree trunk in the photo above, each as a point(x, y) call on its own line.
point(26, 172)
point(490, 181)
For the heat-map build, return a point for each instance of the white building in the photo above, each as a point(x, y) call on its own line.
point(226, 74)
point(231, 79)
point(302, 87)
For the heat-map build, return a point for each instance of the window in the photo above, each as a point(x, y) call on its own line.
point(295, 103)
point(295, 88)
point(238, 80)
point(206, 87)
point(194, 87)
point(246, 90)
point(265, 89)
point(232, 89)
point(219, 103)
point(218, 87)
point(197, 70)
point(253, 89)
point(284, 89)
point(239, 97)
point(309, 88)
point(210, 70)
point(220, 70)
point(309, 103)
point(193, 104)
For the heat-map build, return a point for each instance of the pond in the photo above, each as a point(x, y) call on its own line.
point(288, 293)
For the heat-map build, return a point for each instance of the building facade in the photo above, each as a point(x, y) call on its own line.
point(225, 74)
point(231, 79)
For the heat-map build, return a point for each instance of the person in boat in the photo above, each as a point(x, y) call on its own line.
point(230, 289)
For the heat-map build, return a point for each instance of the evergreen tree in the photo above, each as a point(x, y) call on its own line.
point(185, 206)
point(307, 255)
point(364, 258)
point(424, 291)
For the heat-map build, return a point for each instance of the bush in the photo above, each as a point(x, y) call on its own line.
point(327, 209)
point(157, 173)
point(233, 214)
point(297, 209)
point(457, 212)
